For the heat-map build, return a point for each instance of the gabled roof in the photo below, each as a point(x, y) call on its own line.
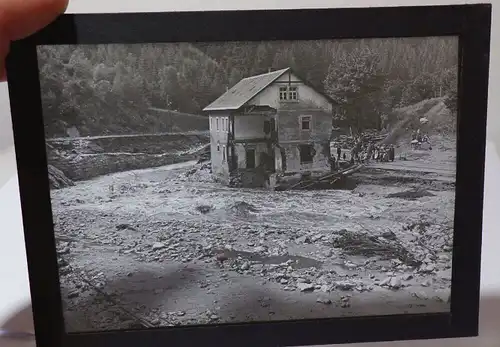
point(244, 90)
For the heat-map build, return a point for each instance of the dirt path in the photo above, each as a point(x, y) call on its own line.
point(168, 246)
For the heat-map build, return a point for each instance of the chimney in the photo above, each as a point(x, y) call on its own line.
point(268, 70)
point(227, 88)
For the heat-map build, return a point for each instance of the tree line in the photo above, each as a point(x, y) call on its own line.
point(104, 89)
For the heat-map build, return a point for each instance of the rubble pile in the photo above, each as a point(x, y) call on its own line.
point(385, 246)
point(200, 173)
point(58, 179)
point(269, 240)
point(348, 142)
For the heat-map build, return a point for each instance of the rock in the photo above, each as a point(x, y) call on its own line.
point(303, 239)
point(73, 294)
point(157, 246)
point(389, 235)
point(395, 283)
point(350, 265)
point(345, 285)
point(65, 250)
point(204, 209)
point(446, 276)
point(345, 302)
point(325, 301)
point(316, 237)
point(444, 258)
point(426, 283)
point(181, 313)
point(325, 289)
point(427, 268)
point(407, 277)
point(305, 287)
point(443, 295)
point(245, 266)
point(385, 282)
point(396, 262)
point(259, 249)
point(221, 257)
point(421, 295)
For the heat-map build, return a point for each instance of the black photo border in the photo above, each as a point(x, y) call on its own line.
point(471, 23)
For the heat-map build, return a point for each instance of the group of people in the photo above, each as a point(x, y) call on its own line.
point(417, 139)
point(363, 152)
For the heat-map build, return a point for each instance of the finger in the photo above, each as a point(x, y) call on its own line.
point(21, 18)
point(4, 50)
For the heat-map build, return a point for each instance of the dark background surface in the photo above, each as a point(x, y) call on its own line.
point(471, 22)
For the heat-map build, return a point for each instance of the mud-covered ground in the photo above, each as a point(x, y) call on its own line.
point(167, 246)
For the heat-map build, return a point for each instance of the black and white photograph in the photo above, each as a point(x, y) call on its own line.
point(202, 183)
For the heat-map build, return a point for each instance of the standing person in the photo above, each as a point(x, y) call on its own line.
point(369, 151)
point(333, 165)
point(392, 153)
point(339, 152)
point(413, 135)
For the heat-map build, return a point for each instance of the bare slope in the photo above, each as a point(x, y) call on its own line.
point(441, 121)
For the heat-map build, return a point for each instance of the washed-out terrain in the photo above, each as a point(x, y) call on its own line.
point(168, 246)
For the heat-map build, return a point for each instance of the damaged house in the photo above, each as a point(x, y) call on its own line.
point(268, 127)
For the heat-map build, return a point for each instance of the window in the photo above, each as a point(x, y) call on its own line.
point(288, 93)
point(283, 93)
point(250, 158)
point(267, 127)
point(217, 123)
point(223, 154)
point(307, 153)
point(305, 123)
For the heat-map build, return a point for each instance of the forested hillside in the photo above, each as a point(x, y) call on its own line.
point(107, 89)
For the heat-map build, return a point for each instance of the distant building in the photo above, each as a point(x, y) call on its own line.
point(269, 126)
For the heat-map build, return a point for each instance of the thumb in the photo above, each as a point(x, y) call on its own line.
point(19, 19)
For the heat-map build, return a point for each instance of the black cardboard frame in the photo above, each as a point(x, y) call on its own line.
point(470, 22)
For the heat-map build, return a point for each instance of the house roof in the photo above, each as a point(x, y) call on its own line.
point(244, 90)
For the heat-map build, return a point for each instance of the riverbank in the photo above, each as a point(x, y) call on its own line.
point(88, 157)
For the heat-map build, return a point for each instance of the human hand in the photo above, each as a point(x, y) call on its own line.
point(21, 18)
